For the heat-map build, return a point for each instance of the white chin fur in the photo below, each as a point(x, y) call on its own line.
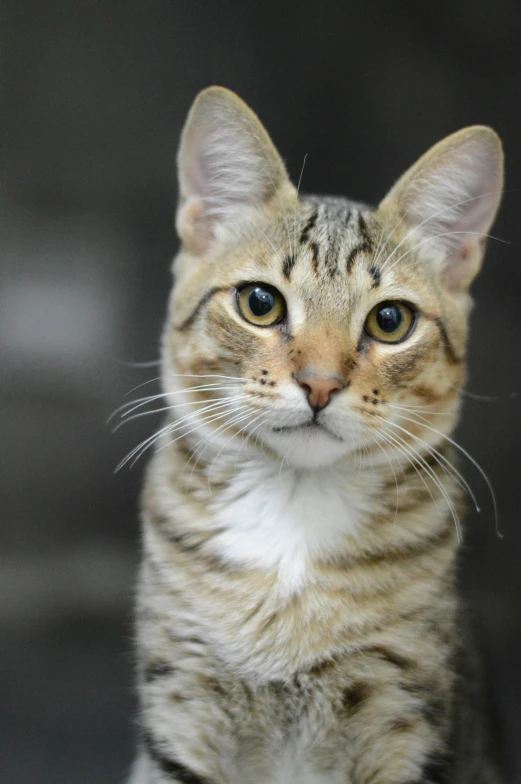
point(305, 448)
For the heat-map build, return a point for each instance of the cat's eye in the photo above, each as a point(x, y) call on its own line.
point(390, 322)
point(261, 304)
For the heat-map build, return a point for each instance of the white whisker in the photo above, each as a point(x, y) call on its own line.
point(132, 405)
point(427, 468)
point(414, 409)
point(216, 404)
point(148, 442)
point(451, 470)
point(477, 466)
point(205, 421)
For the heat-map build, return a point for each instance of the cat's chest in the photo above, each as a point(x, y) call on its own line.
point(280, 518)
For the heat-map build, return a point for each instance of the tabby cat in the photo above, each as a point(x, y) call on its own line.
point(297, 615)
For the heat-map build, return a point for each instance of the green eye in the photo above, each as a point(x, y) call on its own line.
point(261, 304)
point(390, 322)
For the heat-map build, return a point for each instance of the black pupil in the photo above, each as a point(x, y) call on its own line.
point(261, 302)
point(389, 318)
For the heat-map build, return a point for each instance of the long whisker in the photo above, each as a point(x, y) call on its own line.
point(403, 449)
point(474, 396)
point(255, 429)
point(207, 375)
point(205, 421)
point(256, 415)
point(206, 388)
point(450, 470)
point(183, 375)
point(375, 441)
point(206, 440)
point(477, 466)
point(144, 383)
point(152, 363)
point(217, 404)
point(131, 405)
point(148, 442)
point(414, 409)
point(201, 445)
point(429, 471)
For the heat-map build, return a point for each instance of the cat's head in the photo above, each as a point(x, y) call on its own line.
point(314, 327)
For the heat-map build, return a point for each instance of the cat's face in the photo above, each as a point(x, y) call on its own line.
point(317, 328)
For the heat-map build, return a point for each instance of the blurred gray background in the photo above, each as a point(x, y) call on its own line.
point(93, 98)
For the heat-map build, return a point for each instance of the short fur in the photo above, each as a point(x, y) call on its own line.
point(297, 615)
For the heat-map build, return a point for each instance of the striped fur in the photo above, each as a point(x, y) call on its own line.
point(297, 613)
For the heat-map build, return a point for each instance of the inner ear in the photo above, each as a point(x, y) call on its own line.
point(227, 166)
point(448, 201)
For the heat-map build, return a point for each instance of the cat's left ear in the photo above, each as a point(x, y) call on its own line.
point(228, 167)
point(449, 199)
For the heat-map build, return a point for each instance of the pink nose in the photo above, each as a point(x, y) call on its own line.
point(319, 390)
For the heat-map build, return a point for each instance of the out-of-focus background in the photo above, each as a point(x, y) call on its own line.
point(93, 98)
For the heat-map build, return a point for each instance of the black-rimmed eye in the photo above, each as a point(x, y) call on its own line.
point(261, 304)
point(390, 322)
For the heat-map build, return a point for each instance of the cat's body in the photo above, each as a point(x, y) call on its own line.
point(297, 620)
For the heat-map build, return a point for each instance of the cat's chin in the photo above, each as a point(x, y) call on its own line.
point(305, 447)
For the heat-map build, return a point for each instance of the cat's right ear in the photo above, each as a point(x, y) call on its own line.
point(227, 167)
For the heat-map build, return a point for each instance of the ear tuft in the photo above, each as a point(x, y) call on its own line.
point(227, 166)
point(451, 196)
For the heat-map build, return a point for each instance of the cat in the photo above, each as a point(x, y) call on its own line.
point(297, 612)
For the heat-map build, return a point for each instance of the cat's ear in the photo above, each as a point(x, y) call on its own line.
point(449, 200)
point(227, 167)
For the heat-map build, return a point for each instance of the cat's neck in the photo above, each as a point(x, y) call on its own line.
point(261, 513)
point(275, 516)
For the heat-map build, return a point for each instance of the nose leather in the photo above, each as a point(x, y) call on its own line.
point(319, 389)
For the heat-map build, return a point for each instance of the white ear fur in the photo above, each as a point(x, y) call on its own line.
point(227, 165)
point(451, 196)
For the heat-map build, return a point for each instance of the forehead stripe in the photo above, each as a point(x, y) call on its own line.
point(287, 265)
point(365, 246)
point(377, 276)
point(308, 227)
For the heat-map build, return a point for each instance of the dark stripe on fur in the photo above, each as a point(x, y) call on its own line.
point(314, 256)
point(389, 556)
point(332, 263)
point(365, 246)
point(449, 348)
point(390, 656)
point(376, 275)
point(157, 669)
point(202, 302)
point(287, 266)
point(308, 227)
point(355, 695)
point(169, 766)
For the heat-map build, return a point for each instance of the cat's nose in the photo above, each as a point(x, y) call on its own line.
point(319, 389)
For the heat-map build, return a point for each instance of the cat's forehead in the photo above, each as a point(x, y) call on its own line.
point(334, 234)
point(332, 253)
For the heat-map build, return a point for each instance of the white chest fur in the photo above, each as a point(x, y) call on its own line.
point(282, 517)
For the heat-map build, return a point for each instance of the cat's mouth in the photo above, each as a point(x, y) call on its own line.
point(310, 426)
